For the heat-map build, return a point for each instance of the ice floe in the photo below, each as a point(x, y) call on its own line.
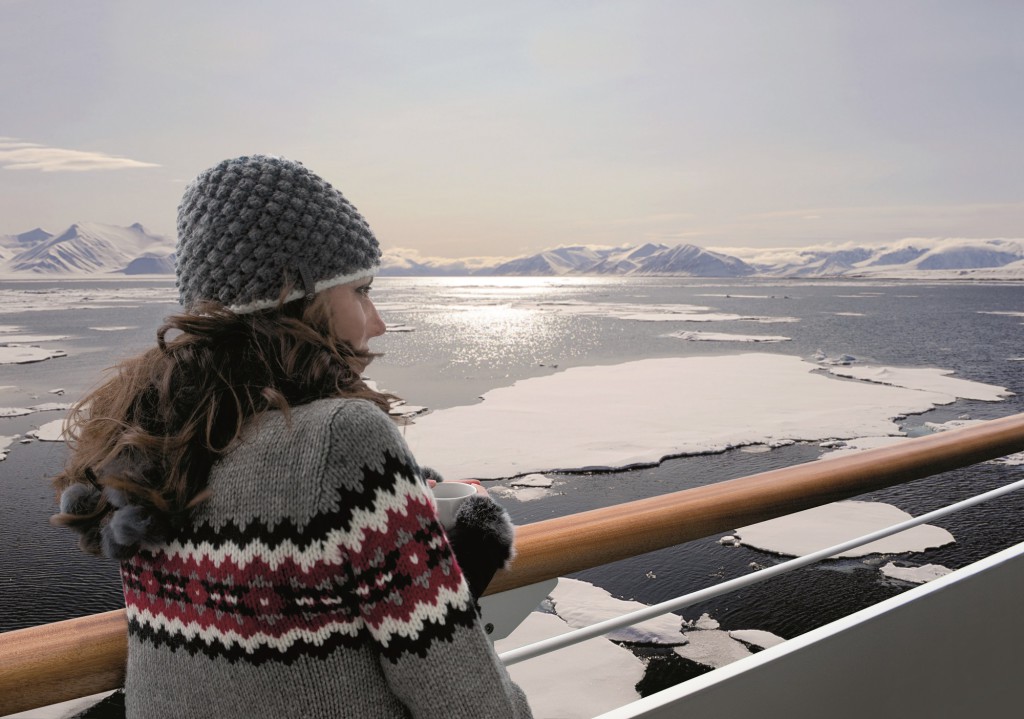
point(820, 527)
point(596, 675)
point(929, 379)
point(581, 604)
point(756, 638)
point(859, 444)
point(527, 488)
point(915, 575)
point(1010, 459)
point(5, 445)
point(13, 301)
point(640, 412)
point(697, 336)
point(532, 480)
point(712, 648)
point(22, 411)
point(17, 339)
point(655, 312)
point(16, 354)
point(120, 328)
point(49, 432)
point(580, 681)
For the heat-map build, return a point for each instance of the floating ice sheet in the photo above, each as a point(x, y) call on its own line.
point(654, 312)
point(929, 379)
point(25, 355)
point(640, 412)
point(580, 681)
point(581, 604)
point(5, 444)
point(98, 297)
point(814, 529)
point(49, 432)
point(915, 575)
point(756, 638)
point(859, 444)
point(697, 336)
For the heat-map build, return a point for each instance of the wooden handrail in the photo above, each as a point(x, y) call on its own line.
point(65, 660)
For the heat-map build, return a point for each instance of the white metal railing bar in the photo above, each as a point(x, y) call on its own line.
point(514, 656)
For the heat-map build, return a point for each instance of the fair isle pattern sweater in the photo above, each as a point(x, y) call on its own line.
point(316, 582)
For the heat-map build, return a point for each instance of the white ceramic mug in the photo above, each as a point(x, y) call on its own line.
point(447, 498)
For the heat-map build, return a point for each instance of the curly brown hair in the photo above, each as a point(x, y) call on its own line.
point(148, 436)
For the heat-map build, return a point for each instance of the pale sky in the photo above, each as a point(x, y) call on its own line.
point(500, 128)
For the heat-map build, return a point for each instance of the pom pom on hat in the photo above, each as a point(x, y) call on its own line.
point(251, 225)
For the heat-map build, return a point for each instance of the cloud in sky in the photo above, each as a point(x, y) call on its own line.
point(19, 155)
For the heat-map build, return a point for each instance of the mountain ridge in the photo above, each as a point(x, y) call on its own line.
point(94, 248)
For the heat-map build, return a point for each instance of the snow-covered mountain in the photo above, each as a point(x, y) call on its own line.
point(83, 248)
point(931, 258)
point(95, 248)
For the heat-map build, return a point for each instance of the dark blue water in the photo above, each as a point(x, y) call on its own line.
point(474, 335)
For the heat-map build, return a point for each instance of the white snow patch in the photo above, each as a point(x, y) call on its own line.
point(712, 648)
point(756, 638)
point(521, 494)
point(31, 339)
point(1010, 459)
point(849, 314)
point(14, 411)
point(654, 313)
point(50, 406)
point(928, 379)
point(997, 312)
point(706, 622)
point(697, 336)
point(915, 575)
point(640, 412)
point(580, 681)
point(5, 444)
point(532, 480)
point(15, 354)
point(820, 527)
point(119, 328)
point(50, 432)
point(859, 444)
point(406, 410)
point(581, 604)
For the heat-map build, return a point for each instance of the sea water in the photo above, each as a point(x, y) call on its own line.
point(454, 339)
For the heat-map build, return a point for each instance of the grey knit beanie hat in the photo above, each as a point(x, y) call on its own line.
point(251, 225)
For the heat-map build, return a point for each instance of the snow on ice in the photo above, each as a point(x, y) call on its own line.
point(915, 575)
point(580, 681)
point(929, 379)
point(820, 527)
point(598, 675)
point(640, 412)
point(49, 432)
point(581, 604)
point(697, 336)
point(15, 354)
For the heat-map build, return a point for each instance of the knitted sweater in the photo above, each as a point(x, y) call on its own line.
point(316, 582)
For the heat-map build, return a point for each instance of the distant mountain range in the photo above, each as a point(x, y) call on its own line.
point(87, 248)
point(92, 249)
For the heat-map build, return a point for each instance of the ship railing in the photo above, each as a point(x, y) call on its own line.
point(57, 662)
